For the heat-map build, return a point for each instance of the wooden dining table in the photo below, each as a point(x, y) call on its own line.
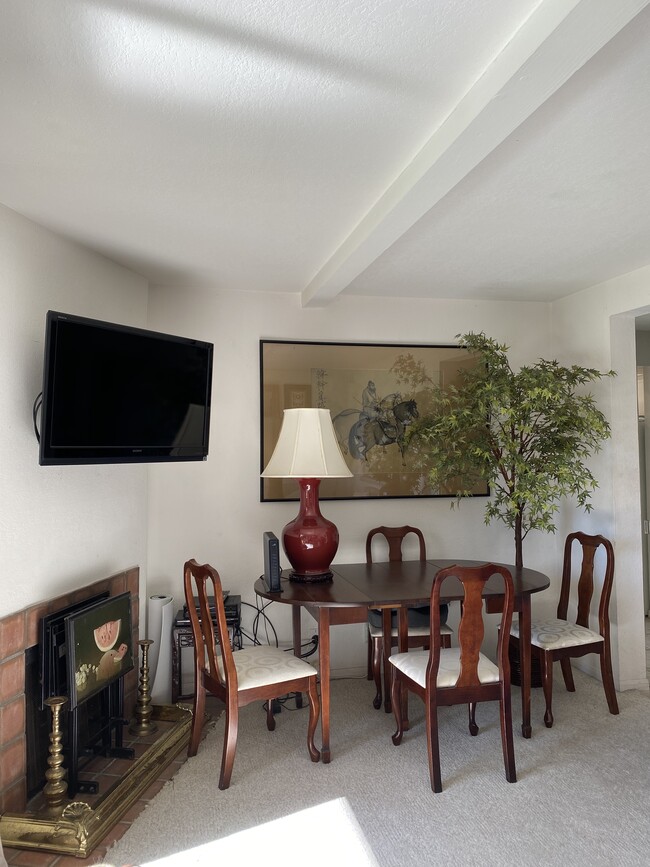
point(356, 587)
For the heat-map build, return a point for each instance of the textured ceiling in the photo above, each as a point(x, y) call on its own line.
point(453, 149)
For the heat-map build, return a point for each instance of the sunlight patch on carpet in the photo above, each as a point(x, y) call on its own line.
point(298, 837)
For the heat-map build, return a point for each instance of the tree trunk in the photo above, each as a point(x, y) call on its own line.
point(519, 555)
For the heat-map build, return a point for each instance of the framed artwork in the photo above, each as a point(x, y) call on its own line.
point(99, 646)
point(374, 393)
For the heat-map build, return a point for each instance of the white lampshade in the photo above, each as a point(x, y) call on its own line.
point(307, 448)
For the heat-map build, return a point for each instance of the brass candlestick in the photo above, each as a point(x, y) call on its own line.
point(142, 724)
point(56, 787)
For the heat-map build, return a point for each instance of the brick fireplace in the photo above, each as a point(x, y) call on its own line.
point(18, 633)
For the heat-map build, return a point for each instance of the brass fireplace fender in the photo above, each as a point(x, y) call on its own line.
point(76, 828)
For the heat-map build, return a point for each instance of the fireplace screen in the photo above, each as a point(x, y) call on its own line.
point(99, 642)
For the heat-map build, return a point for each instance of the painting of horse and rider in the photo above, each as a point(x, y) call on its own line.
point(381, 421)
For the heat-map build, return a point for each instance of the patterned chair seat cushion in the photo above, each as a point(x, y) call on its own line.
point(414, 665)
point(261, 665)
point(553, 634)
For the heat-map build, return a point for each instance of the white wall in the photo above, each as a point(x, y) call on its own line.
point(598, 326)
point(211, 510)
point(61, 527)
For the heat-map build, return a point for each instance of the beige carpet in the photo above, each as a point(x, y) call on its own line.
point(582, 796)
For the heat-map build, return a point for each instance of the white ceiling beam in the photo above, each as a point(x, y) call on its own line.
point(558, 38)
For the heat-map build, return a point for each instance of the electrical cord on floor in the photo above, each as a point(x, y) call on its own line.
point(286, 702)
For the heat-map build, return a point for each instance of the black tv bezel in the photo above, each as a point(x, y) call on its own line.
point(63, 455)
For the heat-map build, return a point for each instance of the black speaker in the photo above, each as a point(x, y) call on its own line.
point(272, 562)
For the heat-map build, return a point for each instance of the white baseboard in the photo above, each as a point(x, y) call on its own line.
point(355, 671)
point(590, 665)
point(641, 684)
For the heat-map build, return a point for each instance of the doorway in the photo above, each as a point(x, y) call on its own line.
point(642, 335)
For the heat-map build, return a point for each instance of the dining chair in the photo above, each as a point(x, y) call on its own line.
point(460, 675)
point(258, 673)
point(418, 634)
point(563, 638)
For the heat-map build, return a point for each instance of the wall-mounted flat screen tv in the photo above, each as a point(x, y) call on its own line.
point(118, 394)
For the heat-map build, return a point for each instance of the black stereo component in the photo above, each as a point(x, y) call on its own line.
point(231, 604)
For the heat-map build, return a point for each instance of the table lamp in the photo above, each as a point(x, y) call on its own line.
point(307, 450)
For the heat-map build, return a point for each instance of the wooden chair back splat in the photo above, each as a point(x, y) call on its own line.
point(395, 537)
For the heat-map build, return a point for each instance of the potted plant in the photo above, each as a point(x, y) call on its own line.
point(528, 434)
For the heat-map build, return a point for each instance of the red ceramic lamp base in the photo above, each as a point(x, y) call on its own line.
point(310, 540)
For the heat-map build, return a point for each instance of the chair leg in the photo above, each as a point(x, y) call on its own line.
point(396, 702)
point(386, 649)
point(198, 715)
point(314, 713)
point(369, 671)
point(270, 719)
point(433, 746)
point(547, 683)
point(229, 742)
point(608, 679)
point(505, 708)
point(377, 650)
point(473, 728)
point(567, 674)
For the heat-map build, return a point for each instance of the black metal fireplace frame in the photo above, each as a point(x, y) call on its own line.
point(94, 725)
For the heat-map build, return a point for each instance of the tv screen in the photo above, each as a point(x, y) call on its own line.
point(116, 394)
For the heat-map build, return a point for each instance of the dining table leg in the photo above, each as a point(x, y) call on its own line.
point(324, 667)
point(387, 628)
point(403, 646)
point(524, 662)
point(297, 641)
